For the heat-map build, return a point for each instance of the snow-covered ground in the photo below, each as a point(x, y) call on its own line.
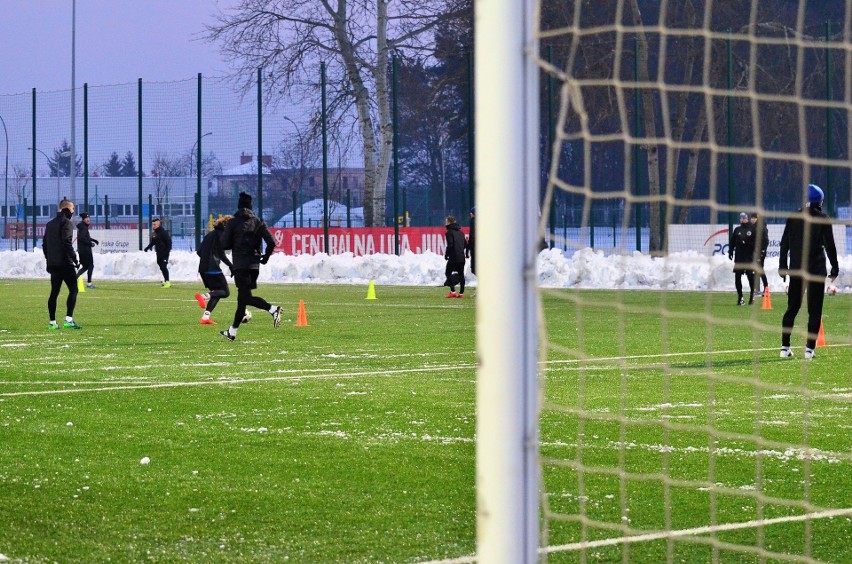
point(585, 269)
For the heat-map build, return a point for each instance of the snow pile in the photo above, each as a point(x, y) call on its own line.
point(585, 269)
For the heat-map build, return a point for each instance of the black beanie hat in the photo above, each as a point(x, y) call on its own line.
point(244, 201)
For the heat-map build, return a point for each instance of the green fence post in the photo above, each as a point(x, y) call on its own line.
point(828, 124)
point(637, 126)
point(86, 147)
point(324, 161)
point(139, 159)
point(471, 152)
point(592, 226)
point(25, 226)
point(106, 211)
point(35, 176)
point(198, 221)
point(395, 90)
point(730, 132)
point(260, 143)
point(348, 208)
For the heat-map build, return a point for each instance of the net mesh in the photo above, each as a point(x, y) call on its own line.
point(670, 429)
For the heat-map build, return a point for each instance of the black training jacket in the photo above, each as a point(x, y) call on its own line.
point(819, 241)
point(211, 253)
point(455, 243)
point(58, 243)
point(243, 236)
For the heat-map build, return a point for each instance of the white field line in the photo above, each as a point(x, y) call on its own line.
point(710, 529)
point(302, 374)
point(829, 514)
point(239, 381)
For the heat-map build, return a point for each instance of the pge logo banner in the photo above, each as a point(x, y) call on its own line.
point(707, 240)
point(713, 240)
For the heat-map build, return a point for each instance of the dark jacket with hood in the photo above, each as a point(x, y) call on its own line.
point(211, 252)
point(455, 243)
point(819, 240)
point(243, 236)
point(85, 243)
point(161, 242)
point(58, 243)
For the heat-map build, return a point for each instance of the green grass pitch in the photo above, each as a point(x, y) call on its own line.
point(352, 439)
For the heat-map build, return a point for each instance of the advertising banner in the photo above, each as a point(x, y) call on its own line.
point(360, 241)
point(710, 240)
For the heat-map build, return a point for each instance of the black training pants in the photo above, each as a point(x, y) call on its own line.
point(246, 281)
point(58, 275)
point(816, 294)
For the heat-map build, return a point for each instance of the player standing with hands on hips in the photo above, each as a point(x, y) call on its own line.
point(243, 236)
point(807, 239)
point(61, 263)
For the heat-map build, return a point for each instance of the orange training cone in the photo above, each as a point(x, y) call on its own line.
point(302, 317)
point(371, 291)
point(821, 336)
point(767, 301)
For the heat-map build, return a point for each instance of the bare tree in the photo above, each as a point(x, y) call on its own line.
point(163, 171)
point(288, 39)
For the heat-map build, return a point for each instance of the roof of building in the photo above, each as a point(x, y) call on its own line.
point(245, 170)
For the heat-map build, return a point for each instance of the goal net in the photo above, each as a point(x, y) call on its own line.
point(660, 424)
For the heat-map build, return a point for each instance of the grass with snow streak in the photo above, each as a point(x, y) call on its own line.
point(352, 439)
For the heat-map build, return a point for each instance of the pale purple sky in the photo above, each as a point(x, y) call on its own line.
point(117, 41)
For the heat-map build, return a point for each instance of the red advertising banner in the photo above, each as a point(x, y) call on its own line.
point(361, 241)
point(16, 231)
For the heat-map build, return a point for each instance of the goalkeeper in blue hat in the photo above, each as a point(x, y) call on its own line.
point(807, 240)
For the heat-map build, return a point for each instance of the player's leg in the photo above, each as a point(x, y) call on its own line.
point(448, 272)
point(794, 303)
point(738, 284)
point(69, 276)
point(750, 277)
point(816, 297)
point(260, 303)
point(55, 286)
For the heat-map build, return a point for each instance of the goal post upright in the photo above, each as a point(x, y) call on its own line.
point(506, 148)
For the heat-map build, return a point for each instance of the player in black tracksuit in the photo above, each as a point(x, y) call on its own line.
point(62, 263)
point(161, 242)
point(243, 237)
point(211, 253)
point(807, 239)
point(84, 249)
point(470, 246)
point(741, 251)
point(454, 254)
point(762, 242)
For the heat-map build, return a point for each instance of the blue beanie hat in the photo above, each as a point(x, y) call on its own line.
point(815, 194)
point(743, 216)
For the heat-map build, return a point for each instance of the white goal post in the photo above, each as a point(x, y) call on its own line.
point(506, 149)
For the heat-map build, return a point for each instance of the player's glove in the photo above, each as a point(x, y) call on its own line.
point(782, 272)
point(95, 242)
point(264, 259)
point(147, 249)
point(834, 273)
point(730, 257)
